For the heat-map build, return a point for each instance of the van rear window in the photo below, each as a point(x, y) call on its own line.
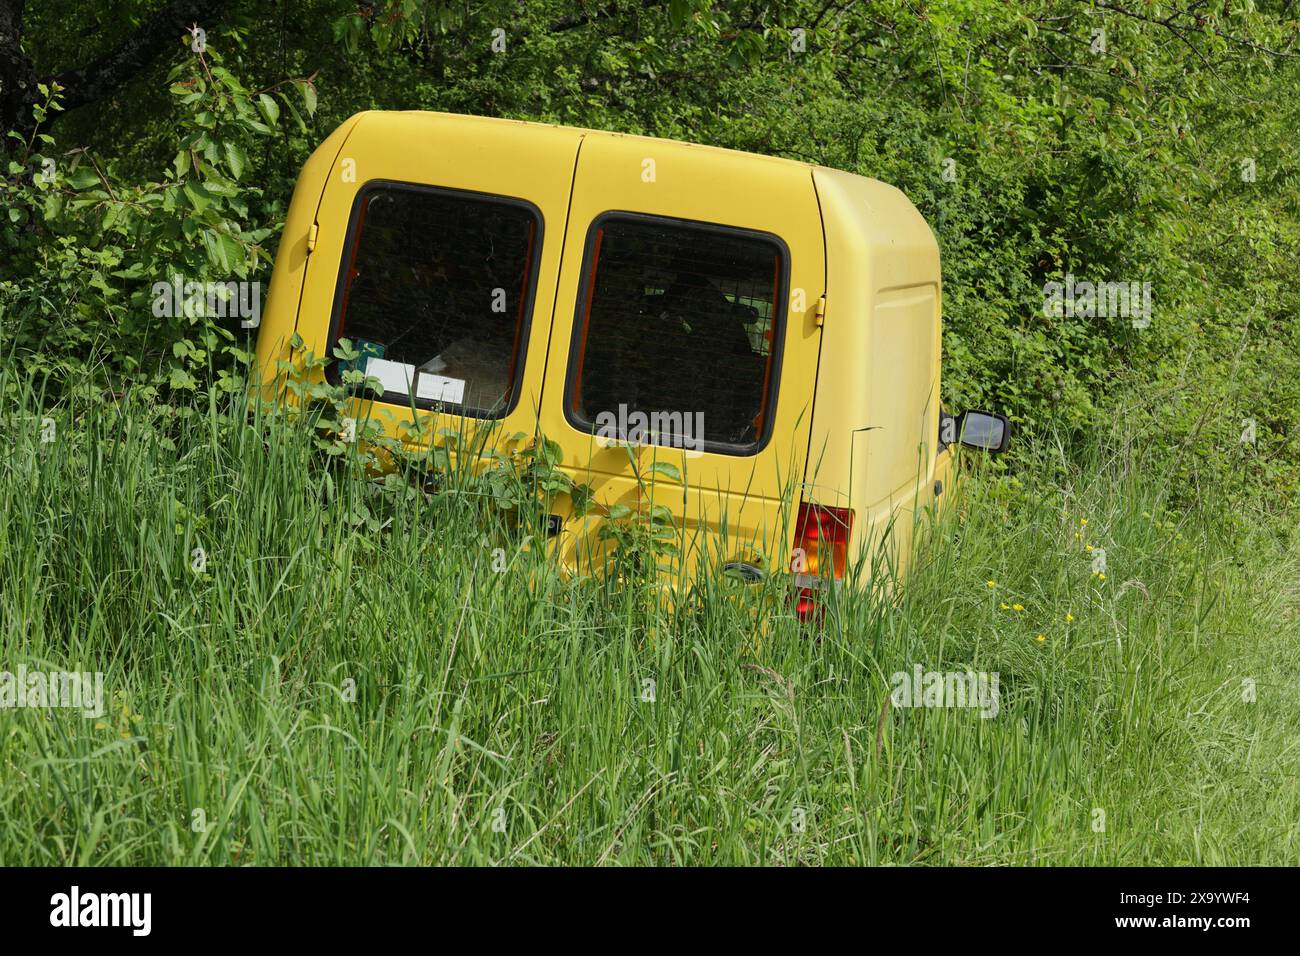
point(435, 294)
point(675, 332)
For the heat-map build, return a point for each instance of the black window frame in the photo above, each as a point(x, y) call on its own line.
point(407, 400)
point(780, 310)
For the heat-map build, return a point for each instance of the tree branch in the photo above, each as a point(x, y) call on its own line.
point(94, 81)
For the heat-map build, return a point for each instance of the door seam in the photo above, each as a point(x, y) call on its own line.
point(555, 301)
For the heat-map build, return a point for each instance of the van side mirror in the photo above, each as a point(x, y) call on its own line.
point(983, 430)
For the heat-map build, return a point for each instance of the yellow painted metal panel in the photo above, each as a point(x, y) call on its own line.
point(719, 187)
point(875, 430)
point(856, 415)
point(281, 312)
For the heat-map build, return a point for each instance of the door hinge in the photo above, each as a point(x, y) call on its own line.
point(820, 315)
point(311, 237)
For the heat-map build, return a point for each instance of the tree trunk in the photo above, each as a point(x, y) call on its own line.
point(96, 80)
point(17, 75)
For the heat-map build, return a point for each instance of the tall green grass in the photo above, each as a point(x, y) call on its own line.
point(349, 681)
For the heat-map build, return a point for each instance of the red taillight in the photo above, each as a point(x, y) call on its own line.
point(821, 536)
point(807, 606)
point(821, 544)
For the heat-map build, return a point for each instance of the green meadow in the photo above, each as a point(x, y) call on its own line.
point(349, 676)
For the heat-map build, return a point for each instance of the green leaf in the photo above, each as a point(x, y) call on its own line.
point(309, 98)
point(269, 107)
point(215, 252)
point(667, 469)
point(551, 451)
point(235, 159)
point(297, 117)
point(182, 379)
point(83, 177)
point(197, 196)
point(233, 253)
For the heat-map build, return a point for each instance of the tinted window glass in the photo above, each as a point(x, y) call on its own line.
point(435, 295)
point(674, 334)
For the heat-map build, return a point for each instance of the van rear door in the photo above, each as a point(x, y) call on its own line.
point(685, 325)
point(437, 247)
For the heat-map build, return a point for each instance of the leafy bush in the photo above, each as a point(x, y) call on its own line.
point(92, 251)
point(1041, 141)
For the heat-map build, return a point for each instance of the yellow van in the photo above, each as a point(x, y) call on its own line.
point(768, 329)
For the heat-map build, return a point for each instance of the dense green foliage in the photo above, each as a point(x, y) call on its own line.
point(1036, 146)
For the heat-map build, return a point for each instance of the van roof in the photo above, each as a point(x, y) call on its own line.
point(469, 120)
point(862, 186)
point(878, 212)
